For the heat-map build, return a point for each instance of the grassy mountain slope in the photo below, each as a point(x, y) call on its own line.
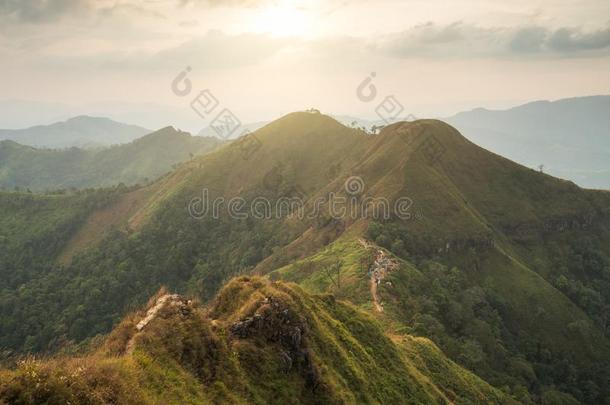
point(143, 159)
point(259, 342)
point(504, 268)
point(81, 131)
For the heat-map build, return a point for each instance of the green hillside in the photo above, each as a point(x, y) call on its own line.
point(258, 342)
point(139, 161)
point(504, 268)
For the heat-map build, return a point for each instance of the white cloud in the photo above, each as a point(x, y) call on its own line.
point(464, 41)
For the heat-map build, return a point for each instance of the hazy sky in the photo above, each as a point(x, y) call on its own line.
point(264, 58)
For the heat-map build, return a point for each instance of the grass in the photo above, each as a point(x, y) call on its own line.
point(343, 357)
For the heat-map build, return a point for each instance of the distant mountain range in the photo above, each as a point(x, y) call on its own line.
point(570, 137)
point(81, 131)
point(139, 161)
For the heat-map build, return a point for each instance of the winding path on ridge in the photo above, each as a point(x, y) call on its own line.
point(378, 271)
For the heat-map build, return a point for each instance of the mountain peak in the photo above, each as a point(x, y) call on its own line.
point(311, 117)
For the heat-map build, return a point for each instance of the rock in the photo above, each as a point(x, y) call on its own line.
point(172, 299)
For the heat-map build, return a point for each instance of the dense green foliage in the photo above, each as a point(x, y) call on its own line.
point(34, 228)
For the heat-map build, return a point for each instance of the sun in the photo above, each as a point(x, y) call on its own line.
point(284, 19)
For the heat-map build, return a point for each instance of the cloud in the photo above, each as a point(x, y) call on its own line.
point(226, 3)
point(432, 40)
point(217, 50)
point(528, 40)
point(49, 11)
point(461, 40)
point(574, 40)
point(36, 11)
point(212, 51)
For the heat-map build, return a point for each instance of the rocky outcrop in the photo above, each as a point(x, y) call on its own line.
point(276, 323)
point(173, 300)
point(180, 304)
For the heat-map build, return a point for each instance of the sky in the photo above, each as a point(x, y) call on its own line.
point(135, 60)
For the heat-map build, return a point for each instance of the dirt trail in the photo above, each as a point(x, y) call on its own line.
point(378, 271)
point(378, 306)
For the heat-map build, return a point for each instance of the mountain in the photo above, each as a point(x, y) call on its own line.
point(504, 269)
point(139, 161)
point(570, 137)
point(258, 342)
point(81, 131)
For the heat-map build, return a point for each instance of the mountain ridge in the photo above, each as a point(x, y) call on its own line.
point(501, 266)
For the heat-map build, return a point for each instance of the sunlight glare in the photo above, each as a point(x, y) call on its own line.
point(285, 18)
